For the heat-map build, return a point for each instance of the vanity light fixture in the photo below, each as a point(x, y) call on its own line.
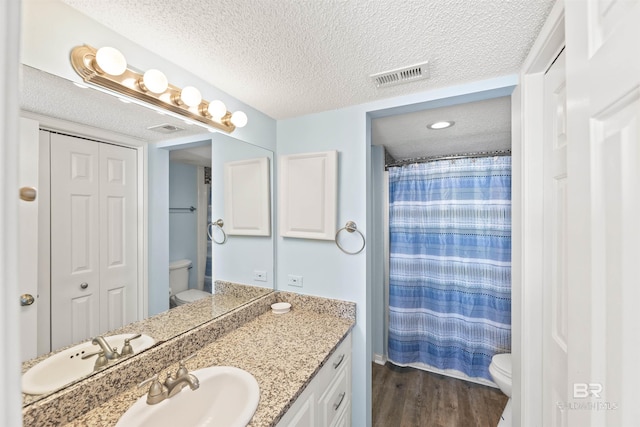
point(154, 81)
point(441, 125)
point(106, 68)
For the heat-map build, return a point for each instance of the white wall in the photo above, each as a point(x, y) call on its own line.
point(325, 269)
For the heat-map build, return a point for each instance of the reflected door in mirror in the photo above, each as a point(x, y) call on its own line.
point(93, 238)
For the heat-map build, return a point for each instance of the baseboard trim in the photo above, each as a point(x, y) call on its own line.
point(379, 359)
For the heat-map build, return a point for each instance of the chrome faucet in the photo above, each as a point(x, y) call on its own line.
point(109, 353)
point(172, 386)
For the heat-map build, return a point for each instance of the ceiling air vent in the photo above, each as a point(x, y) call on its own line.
point(165, 128)
point(401, 75)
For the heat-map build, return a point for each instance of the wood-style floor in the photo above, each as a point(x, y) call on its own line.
point(407, 397)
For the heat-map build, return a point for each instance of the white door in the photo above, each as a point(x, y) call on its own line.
point(554, 363)
point(28, 239)
point(118, 237)
point(603, 165)
point(75, 218)
point(94, 233)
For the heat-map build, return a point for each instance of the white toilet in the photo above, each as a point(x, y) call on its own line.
point(179, 284)
point(500, 370)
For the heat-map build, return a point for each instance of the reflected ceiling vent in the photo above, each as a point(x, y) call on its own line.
point(401, 75)
point(165, 128)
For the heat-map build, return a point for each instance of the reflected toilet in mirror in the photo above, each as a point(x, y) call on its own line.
point(179, 284)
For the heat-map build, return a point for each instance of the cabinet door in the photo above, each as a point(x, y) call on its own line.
point(118, 236)
point(301, 413)
point(75, 217)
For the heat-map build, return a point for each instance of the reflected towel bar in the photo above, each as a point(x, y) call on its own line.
point(190, 209)
point(218, 224)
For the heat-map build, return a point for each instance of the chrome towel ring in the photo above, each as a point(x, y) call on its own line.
point(219, 224)
point(350, 227)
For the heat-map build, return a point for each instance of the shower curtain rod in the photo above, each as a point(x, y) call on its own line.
point(448, 157)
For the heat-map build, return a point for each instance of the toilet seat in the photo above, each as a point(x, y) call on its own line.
point(502, 364)
point(190, 295)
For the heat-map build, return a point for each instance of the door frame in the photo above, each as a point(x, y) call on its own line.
point(43, 251)
point(527, 215)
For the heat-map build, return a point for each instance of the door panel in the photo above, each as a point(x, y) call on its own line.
point(94, 235)
point(83, 319)
point(118, 236)
point(116, 308)
point(603, 63)
point(615, 147)
point(74, 239)
point(555, 246)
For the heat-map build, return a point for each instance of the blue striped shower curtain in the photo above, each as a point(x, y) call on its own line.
point(450, 263)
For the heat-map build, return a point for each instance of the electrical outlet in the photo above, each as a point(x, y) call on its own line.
point(260, 276)
point(295, 280)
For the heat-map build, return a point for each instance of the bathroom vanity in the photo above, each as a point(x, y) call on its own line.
point(301, 360)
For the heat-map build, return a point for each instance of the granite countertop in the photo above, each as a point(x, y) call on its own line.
point(283, 352)
point(171, 323)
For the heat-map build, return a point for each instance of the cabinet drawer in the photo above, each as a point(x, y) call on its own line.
point(335, 399)
point(340, 358)
point(344, 419)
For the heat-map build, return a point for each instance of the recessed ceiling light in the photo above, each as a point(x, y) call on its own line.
point(441, 125)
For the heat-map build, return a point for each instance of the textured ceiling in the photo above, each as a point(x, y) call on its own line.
point(479, 126)
point(293, 57)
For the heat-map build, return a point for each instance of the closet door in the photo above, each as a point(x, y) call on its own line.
point(75, 270)
point(118, 236)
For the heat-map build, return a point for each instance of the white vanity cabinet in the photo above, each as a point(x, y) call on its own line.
point(326, 402)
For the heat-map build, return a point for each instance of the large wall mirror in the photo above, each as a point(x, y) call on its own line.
point(170, 153)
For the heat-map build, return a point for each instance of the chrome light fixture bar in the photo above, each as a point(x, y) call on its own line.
point(107, 68)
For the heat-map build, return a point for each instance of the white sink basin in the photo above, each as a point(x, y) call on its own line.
point(227, 397)
point(68, 366)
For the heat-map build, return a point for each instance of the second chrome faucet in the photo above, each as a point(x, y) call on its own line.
point(172, 386)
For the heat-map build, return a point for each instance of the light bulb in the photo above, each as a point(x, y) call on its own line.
point(239, 119)
point(191, 96)
point(217, 109)
point(155, 81)
point(441, 125)
point(111, 61)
